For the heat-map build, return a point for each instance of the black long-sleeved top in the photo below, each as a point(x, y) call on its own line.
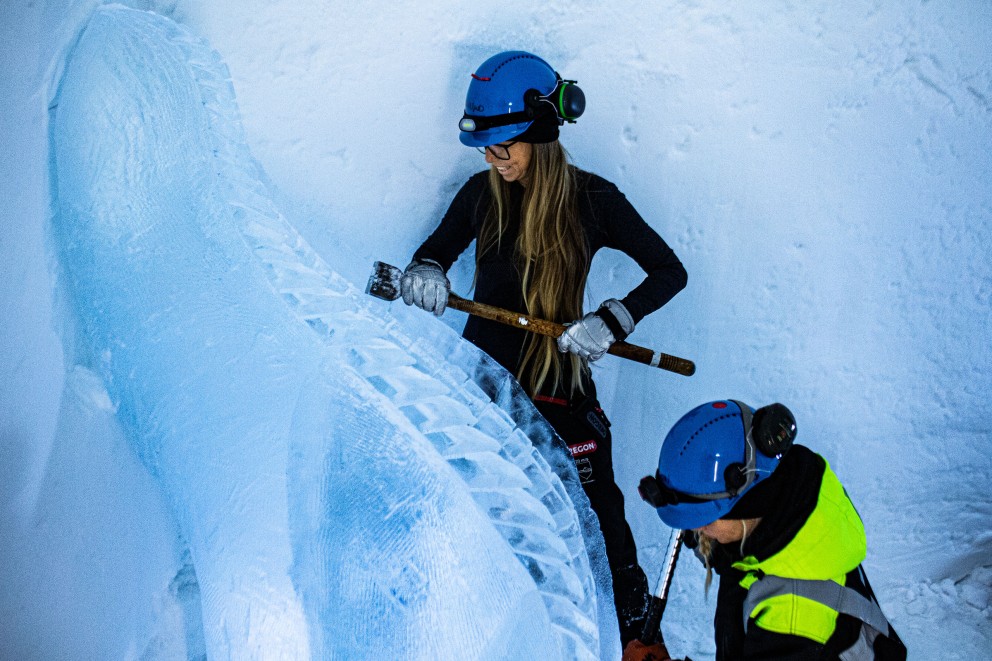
point(609, 221)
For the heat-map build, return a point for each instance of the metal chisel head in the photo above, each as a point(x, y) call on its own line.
point(384, 282)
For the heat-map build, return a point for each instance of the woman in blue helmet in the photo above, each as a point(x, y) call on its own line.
point(773, 521)
point(537, 222)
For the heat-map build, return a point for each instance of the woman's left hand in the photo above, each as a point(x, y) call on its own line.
point(591, 336)
point(588, 337)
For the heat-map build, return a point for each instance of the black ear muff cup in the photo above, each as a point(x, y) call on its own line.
point(773, 429)
point(572, 102)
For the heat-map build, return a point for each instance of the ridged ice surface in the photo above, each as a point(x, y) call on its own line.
point(351, 484)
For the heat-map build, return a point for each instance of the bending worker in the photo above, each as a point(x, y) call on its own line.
point(537, 222)
point(773, 521)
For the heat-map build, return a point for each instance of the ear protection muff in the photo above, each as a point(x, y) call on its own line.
point(567, 99)
point(773, 429)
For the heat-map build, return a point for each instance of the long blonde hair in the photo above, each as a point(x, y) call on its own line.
point(551, 254)
point(706, 543)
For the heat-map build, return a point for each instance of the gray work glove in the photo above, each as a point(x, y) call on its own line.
point(591, 336)
point(424, 284)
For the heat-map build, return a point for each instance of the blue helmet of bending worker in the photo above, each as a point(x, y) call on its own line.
point(714, 455)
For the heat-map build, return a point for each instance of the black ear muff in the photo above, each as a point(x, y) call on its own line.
point(773, 429)
point(569, 100)
point(735, 477)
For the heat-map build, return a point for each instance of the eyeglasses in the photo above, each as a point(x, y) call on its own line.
point(501, 152)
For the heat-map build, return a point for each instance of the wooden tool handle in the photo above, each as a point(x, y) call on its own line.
point(552, 329)
point(653, 358)
point(493, 313)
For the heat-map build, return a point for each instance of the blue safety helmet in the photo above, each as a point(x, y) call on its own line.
point(512, 90)
point(712, 457)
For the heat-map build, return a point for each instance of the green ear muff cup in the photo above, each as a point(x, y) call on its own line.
point(571, 101)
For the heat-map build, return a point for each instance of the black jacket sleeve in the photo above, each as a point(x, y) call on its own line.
point(459, 225)
point(617, 225)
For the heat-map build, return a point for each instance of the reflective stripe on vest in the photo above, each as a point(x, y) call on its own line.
point(828, 593)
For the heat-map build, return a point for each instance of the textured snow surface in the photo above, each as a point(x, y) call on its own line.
point(822, 169)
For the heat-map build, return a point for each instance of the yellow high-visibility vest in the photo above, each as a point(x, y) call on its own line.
point(830, 544)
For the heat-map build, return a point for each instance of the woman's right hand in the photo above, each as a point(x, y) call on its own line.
point(424, 284)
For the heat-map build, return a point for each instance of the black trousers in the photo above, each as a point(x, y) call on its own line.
point(585, 430)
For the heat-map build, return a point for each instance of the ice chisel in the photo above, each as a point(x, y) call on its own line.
point(652, 625)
